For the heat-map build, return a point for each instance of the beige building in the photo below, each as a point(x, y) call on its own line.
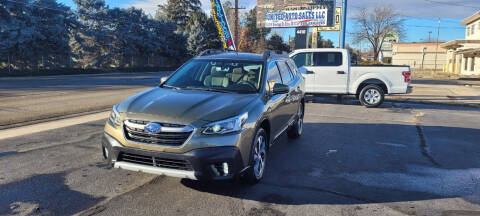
point(419, 55)
point(463, 56)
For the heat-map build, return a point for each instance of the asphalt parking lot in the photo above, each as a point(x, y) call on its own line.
point(400, 159)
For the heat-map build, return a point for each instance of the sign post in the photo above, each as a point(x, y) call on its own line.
point(301, 38)
point(344, 24)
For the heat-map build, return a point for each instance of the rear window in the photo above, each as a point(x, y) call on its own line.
point(327, 59)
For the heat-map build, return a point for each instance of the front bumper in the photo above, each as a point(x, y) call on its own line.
point(213, 163)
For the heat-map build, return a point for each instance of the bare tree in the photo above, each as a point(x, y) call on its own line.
point(373, 25)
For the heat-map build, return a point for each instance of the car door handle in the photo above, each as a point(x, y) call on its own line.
point(340, 72)
point(310, 72)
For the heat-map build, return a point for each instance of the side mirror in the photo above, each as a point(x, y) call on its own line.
point(279, 88)
point(163, 79)
point(302, 70)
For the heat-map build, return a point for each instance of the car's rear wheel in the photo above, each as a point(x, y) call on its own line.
point(371, 96)
point(297, 129)
point(258, 158)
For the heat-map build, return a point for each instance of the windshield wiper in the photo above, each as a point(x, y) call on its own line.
point(207, 89)
point(169, 86)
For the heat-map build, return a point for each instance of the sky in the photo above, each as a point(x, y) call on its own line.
point(421, 16)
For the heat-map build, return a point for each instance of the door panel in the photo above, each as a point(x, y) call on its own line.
point(330, 72)
point(306, 60)
point(291, 101)
point(276, 103)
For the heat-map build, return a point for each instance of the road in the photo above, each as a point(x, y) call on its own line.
point(27, 99)
point(400, 159)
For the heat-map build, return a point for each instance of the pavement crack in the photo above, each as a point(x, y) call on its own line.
point(290, 186)
point(424, 148)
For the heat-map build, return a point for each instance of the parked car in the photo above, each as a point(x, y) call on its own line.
point(215, 118)
point(328, 71)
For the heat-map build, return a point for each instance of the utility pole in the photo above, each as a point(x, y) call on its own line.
point(436, 49)
point(429, 36)
point(237, 24)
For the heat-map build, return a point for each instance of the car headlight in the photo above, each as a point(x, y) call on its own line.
point(114, 118)
point(226, 126)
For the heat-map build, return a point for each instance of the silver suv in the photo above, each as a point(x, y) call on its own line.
point(215, 118)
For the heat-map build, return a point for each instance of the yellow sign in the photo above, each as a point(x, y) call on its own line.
point(336, 24)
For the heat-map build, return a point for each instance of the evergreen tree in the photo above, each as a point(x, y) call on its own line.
point(276, 43)
point(179, 11)
point(93, 43)
point(257, 34)
point(32, 30)
point(197, 34)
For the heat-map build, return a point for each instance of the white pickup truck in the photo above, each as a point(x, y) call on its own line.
point(328, 71)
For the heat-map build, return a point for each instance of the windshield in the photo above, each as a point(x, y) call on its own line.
point(218, 75)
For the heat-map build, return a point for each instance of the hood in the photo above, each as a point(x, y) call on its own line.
point(185, 106)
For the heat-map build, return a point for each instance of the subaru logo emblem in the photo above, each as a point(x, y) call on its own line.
point(153, 128)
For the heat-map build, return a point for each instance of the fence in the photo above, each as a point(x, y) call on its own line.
point(53, 64)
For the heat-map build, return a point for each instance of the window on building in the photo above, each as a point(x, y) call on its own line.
point(466, 64)
point(472, 68)
point(472, 32)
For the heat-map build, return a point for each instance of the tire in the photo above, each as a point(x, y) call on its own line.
point(256, 170)
point(371, 96)
point(297, 129)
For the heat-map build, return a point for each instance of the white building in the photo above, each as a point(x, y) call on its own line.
point(463, 56)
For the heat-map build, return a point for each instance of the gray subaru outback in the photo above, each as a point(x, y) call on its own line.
point(215, 118)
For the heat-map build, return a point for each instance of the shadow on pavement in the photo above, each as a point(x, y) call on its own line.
point(350, 100)
point(44, 194)
point(342, 163)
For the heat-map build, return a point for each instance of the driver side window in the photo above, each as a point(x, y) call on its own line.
point(303, 59)
point(273, 76)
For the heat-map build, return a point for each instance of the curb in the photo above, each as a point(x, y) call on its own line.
point(54, 118)
point(435, 103)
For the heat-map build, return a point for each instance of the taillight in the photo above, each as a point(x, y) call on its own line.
point(406, 76)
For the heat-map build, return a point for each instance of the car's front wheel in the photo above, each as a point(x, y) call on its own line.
point(258, 158)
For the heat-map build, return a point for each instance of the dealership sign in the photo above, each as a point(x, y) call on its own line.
point(296, 18)
point(295, 13)
point(220, 19)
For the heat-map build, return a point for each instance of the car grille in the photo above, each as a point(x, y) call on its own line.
point(155, 161)
point(171, 134)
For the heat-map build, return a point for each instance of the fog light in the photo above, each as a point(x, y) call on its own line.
point(220, 169)
point(225, 168)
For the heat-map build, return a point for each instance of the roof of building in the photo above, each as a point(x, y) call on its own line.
point(470, 52)
point(419, 43)
point(471, 19)
point(458, 43)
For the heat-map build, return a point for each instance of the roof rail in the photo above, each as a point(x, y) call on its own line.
point(272, 53)
point(211, 52)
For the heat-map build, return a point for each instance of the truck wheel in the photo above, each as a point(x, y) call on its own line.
point(296, 130)
point(258, 158)
point(371, 96)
